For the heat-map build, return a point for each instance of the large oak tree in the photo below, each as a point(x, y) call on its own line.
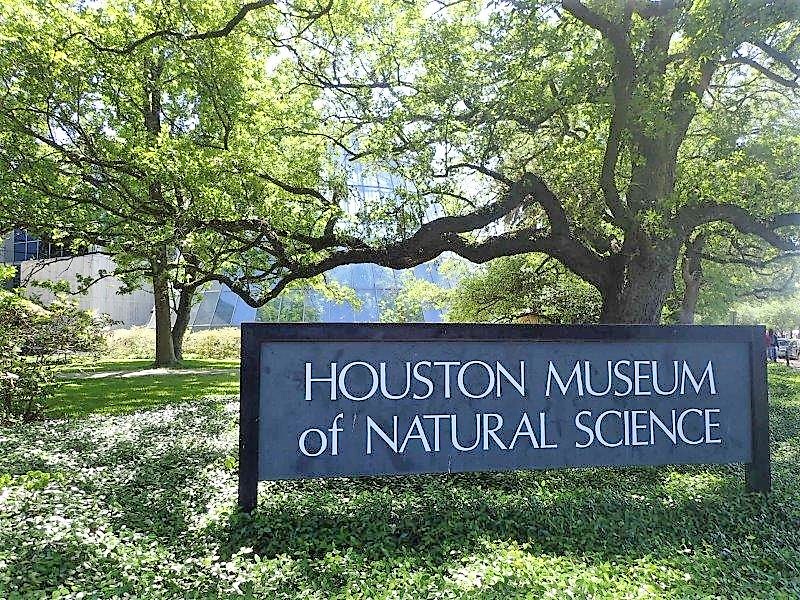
point(577, 130)
point(604, 134)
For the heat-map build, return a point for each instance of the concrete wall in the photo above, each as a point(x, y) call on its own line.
point(7, 249)
point(128, 309)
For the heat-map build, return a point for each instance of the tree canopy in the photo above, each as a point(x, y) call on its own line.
point(602, 134)
point(133, 129)
point(605, 135)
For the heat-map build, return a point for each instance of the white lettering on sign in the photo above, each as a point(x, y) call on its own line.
point(490, 431)
point(487, 379)
point(496, 431)
point(644, 427)
point(641, 377)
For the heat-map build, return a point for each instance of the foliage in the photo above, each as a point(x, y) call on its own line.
point(143, 505)
point(32, 341)
point(140, 143)
point(527, 288)
point(782, 315)
point(732, 272)
point(603, 134)
point(220, 344)
point(136, 342)
point(409, 303)
point(290, 307)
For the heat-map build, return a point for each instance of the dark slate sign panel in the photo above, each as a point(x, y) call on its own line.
point(342, 400)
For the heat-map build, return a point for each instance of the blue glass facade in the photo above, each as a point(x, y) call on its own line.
point(373, 285)
point(27, 247)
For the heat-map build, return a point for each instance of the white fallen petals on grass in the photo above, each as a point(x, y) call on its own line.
point(144, 506)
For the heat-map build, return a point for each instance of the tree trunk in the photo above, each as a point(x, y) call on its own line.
point(639, 287)
point(182, 314)
point(692, 273)
point(165, 349)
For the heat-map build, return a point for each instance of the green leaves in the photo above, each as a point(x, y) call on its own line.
point(30, 338)
point(529, 288)
point(144, 505)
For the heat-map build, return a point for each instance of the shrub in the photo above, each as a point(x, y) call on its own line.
point(136, 342)
point(220, 343)
point(139, 343)
point(31, 339)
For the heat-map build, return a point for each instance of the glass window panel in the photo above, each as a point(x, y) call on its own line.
point(371, 194)
point(340, 275)
point(206, 309)
point(243, 313)
point(224, 311)
point(361, 277)
point(33, 249)
point(314, 308)
point(292, 307)
point(369, 180)
point(432, 316)
point(368, 313)
point(267, 313)
point(385, 181)
point(384, 277)
point(334, 312)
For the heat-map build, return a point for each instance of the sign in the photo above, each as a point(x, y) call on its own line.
point(337, 400)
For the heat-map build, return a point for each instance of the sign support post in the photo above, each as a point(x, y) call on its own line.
point(758, 476)
point(249, 374)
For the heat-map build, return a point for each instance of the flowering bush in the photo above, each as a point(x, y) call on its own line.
point(139, 343)
point(136, 342)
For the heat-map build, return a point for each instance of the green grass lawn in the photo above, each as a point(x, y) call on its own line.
point(109, 387)
point(142, 505)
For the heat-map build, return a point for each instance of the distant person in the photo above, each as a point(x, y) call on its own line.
point(767, 344)
point(772, 350)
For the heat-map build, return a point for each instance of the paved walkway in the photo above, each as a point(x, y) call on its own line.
point(795, 364)
point(147, 372)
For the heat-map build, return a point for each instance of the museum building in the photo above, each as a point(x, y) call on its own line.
point(375, 286)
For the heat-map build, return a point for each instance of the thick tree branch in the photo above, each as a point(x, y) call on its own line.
point(780, 57)
point(768, 73)
point(691, 217)
point(206, 35)
point(444, 234)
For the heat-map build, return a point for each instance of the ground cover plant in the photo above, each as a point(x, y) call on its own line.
point(142, 505)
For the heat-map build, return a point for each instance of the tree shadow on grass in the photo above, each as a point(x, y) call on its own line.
point(618, 516)
point(697, 519)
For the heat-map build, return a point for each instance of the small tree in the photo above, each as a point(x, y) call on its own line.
point(138, 129)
